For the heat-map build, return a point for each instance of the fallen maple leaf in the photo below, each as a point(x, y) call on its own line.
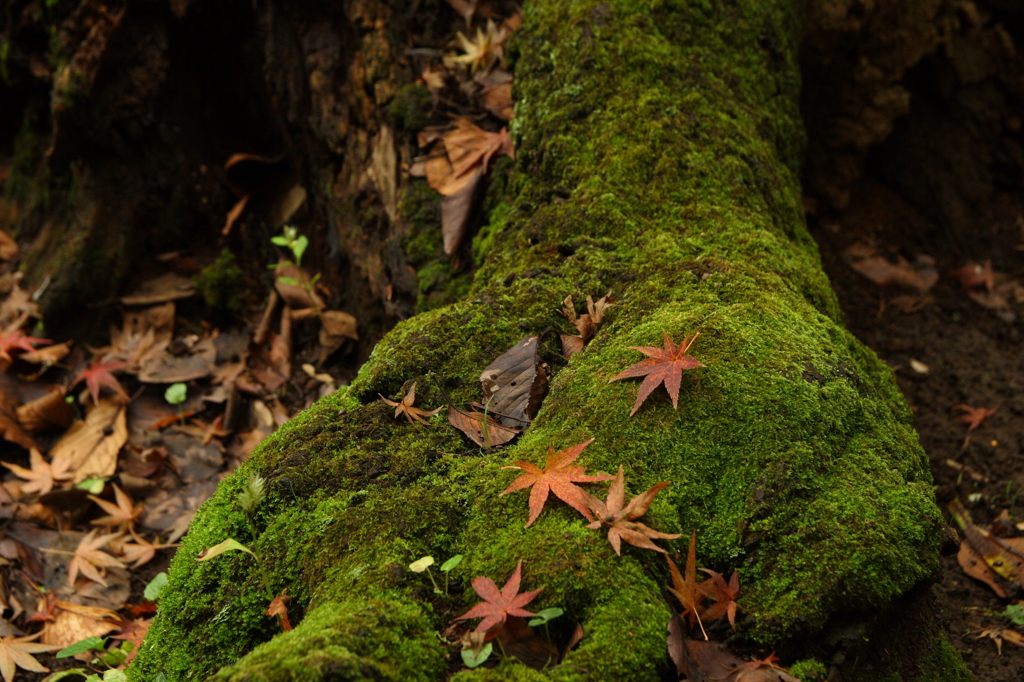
point(134, 632)
point(40, 477)
point(662, 365)
point(724, 594)
point(499, 604)
point(124, 514)
point(18, 340)
point(88, 559)
point(750, 670)
point(687, 589)
point(558, 477)
point(974, 275)
point(16, 652)
point(975, 415)
point(405, 407)
point(99, 374)
point(142, 551)
point(997, 635)
point(621, 520)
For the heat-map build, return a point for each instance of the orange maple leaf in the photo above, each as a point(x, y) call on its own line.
point(405, 407)
point(557, 477)
point(17, 652)
point(724, 594)
point(749, 671)
point(89, 559)
point(975, 415)
point(99, 374)
point(499, 604)
point(662, 365)
point(40, 477)
point(621, 520)
point(124, 514)
point(687, 590)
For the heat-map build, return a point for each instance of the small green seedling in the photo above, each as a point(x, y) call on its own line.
point(92, 485)
point(155, 587)
point(296, 243)
point(542, 618)
point(111, 659)
point(473, 661)
point(447, 568)
point(175, 395)
point(1015, 612)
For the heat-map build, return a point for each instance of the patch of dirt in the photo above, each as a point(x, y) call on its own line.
point(969, 355)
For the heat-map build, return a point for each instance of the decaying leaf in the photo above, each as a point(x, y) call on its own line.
point(288, 283)
point(1005, 556)
point(975, 275)
point(620, 518)
point(558, 476)
point(499, 604)
point(762, 670)
point(74, 622)
point(9, 423)
point(279, 607)
point(141, 551)
point(974, 415)
point(515, 384)
point(90, 560)
point(699, 661)
point(8, 247)
point(90, 447)
point(480, 428)
point(165, 367)
point(997, 635)
point(17, 652)
point(483, 52)
point(271, 361)
point(467, 147)
point(586, 324)
point(233, 215)
point(168, 287)
point(662, 365)
point(973, 564)
point(413, 414)
point(47, 413)
point(335, 327)
point(134, 632)
point(497, 99)
point(458, 210)
point(724, 594)
point(40, 477)
point(920, 275)
point(143, 334)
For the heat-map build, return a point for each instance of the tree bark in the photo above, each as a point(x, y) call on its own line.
point(658, 148)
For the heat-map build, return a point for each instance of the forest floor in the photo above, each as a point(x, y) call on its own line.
point(950, 351)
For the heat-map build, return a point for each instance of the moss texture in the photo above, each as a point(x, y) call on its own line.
point(657, 153)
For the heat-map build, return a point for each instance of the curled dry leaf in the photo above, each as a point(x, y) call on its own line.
point(497, 99)
point(335, 327)
point(480, 428)
point(234, 214)
point(499, 604)
point(662, 365)
point(50, 355)
point(47, 413)
point(405, 407)
point(586, 324)
point(279, 607)
point(74, 622)
point(485, 51)
point(458, 210)
point(686, 588)
point(168, 368)
point(90, 447)
point(8, 247)
point(515, 384)
point(620, 518)
point(557, 477)
point(143, 334)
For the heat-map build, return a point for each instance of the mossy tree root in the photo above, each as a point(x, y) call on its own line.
point(658, 144)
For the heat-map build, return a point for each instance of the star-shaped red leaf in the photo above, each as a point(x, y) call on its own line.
point(620, 519)
point(499, 604)
point(662, 365)
point(100, 374)
point(557, 477)
point(18, 340)
point(974, 415)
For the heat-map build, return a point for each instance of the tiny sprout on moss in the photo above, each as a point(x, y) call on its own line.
point(254, 493)
point(475, 660)
point(424, 564)
point(175, 395)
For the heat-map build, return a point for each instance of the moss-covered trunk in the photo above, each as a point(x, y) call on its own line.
point(658, 145)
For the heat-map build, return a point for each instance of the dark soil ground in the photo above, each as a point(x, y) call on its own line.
point(974, 357)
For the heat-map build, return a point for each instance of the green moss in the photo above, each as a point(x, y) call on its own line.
point(220, 283)
point(810, 670)
point(791, 453)
point(411, 106)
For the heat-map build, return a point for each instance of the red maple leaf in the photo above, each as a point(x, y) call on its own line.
point(724, 594)
point(499, 604)
point(975, 415)
point(687, 590)
point(557, 477)
point(973, 275)
point(749, 671)
point(100, 374)
point(662, 365)
point(621, 520)
point(19, 340)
